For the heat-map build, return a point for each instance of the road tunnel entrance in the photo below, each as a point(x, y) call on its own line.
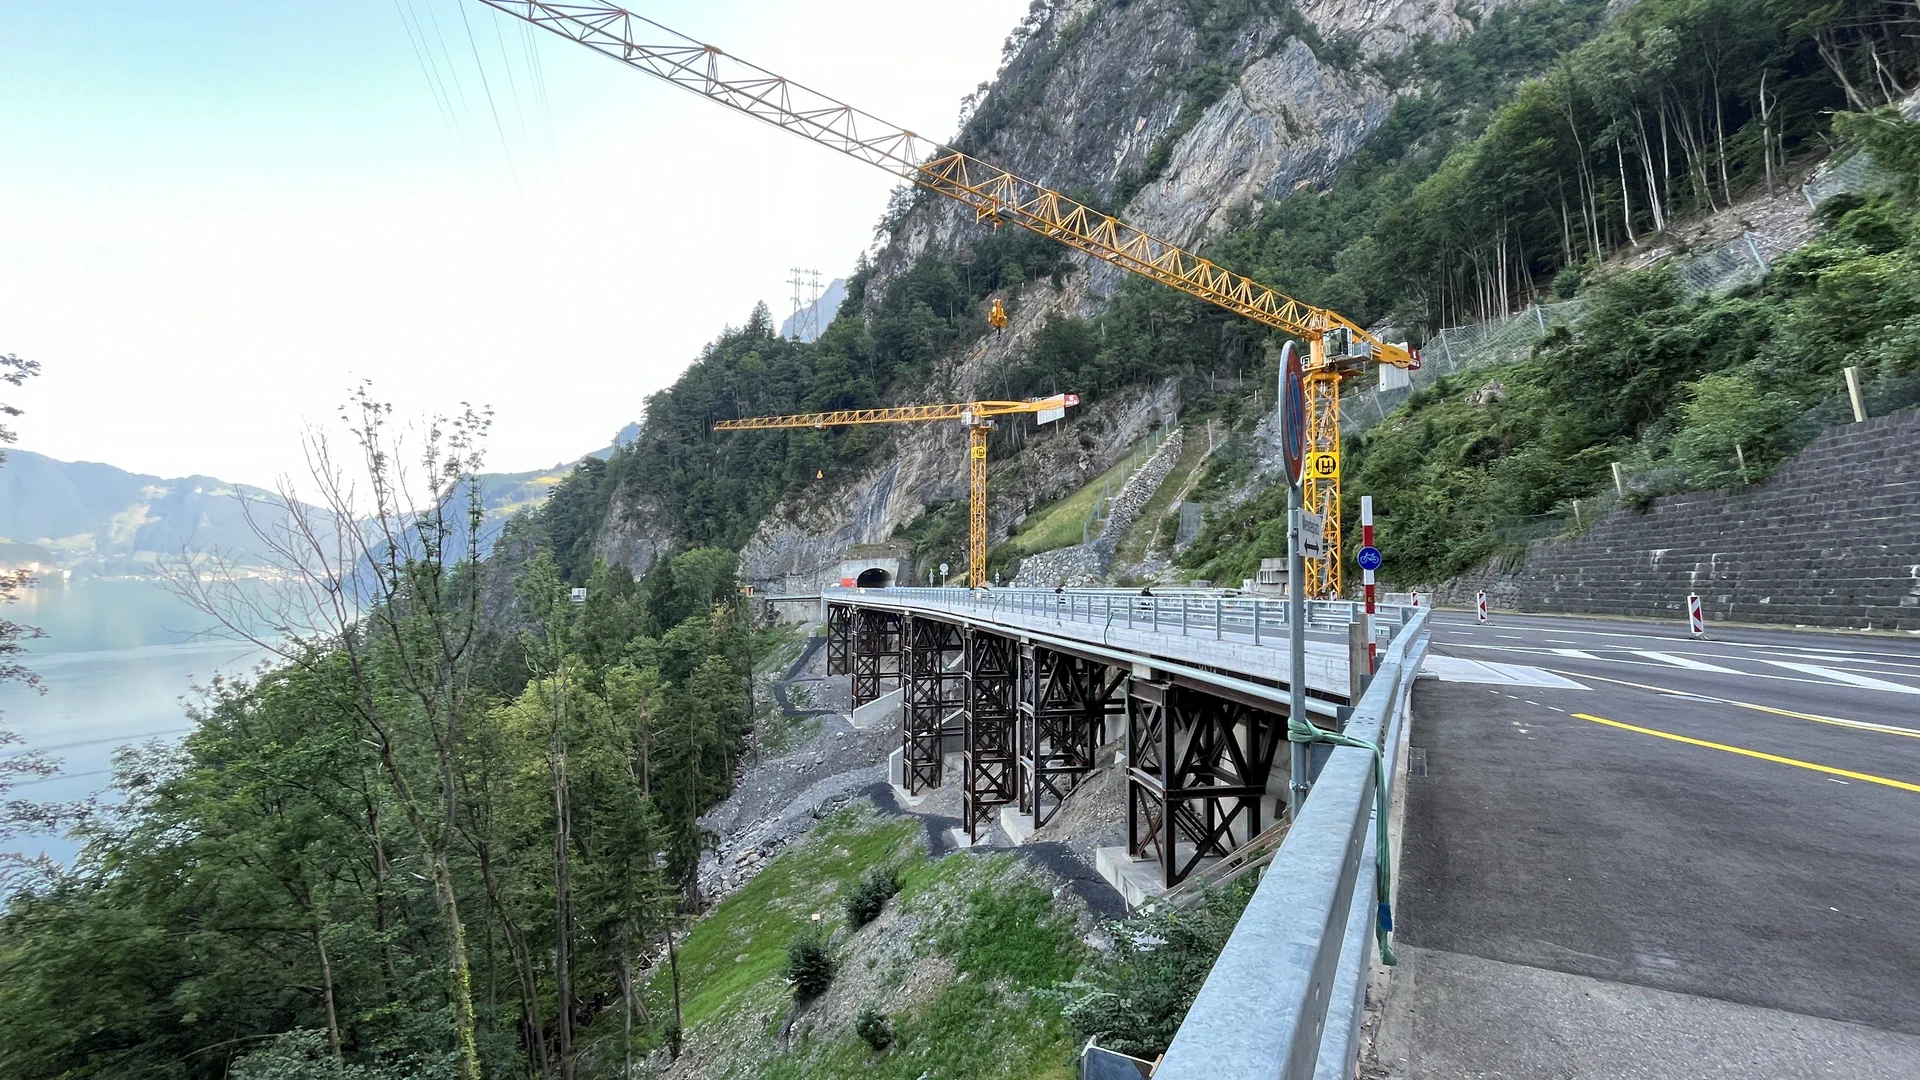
point(874, 577)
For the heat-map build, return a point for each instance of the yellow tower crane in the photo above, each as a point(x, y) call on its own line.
point(979, 417)
point(1337, 348)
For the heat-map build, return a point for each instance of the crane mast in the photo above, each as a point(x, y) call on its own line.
point(1337, 347)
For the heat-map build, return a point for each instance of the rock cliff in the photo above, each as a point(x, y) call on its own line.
point(1102, 98)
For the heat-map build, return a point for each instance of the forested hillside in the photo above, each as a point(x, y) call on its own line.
point(1678, 108)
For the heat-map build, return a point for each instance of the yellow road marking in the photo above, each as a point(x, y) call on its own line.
point(1836, 721)
point(1744, 752)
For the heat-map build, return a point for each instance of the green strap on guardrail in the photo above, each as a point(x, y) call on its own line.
point(1302, 730)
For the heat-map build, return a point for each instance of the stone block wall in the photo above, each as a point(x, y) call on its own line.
point(1086, 564)
point(1830, 539)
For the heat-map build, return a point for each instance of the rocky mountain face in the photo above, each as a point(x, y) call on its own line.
point(1102, 98)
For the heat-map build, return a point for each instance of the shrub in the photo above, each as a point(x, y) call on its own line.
point(873, 1026)
point(1566, 282)
point(1135, 998)
point(869, 897)
point(809, 965)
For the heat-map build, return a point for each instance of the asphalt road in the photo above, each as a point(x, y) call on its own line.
point(1734, 819)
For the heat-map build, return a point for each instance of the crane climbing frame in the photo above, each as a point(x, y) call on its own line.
point(1337, 347)
point(979, 418)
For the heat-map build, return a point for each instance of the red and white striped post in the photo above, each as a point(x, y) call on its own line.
point(1366, 540)
point(1480, 602)
point(1696, 618)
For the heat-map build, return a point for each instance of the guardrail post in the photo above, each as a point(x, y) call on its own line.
point(1156, 614)
point(1183, 616)
point(1256, 622)
point(1219, 609)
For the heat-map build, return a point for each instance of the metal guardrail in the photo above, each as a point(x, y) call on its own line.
point(1286, 997)
point(1185, 612)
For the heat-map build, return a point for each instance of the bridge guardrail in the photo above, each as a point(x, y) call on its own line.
point(1286, 997)
point(1188, 612)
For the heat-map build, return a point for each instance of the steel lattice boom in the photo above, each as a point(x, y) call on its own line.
point(996, 195)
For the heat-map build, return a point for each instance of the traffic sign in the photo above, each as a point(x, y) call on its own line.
point(1368, 558)
point(1696, 618)
point(1313, 536)
point(1293, 410)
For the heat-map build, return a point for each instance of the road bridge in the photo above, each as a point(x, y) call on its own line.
point(1023, 686)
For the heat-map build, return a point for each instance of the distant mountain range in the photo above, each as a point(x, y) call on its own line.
point(94, 520)
point(813, 318)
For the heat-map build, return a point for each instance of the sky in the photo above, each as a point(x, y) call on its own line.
point(218, 216)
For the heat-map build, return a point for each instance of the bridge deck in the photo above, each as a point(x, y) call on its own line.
point(1222, 639)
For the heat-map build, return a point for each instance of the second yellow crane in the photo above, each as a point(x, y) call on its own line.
point(979, 418)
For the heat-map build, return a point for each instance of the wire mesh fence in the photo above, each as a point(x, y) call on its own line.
point(1504, 340)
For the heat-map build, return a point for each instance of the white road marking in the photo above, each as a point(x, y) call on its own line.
point(1843, 676)
point(1577, 654)
point(1685, 662)
point(1679, 630)
point(1651, 664)
point(1463, 670)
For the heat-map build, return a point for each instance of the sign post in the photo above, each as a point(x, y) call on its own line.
point(1369, 559)
point(1696, 618)
point(1293, 445)
point(1480, 601)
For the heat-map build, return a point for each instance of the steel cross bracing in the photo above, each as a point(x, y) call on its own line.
point(839, 639)
point(1063, 712)
point(996, 195)
point(989, 759)
point(875, 653)
point(935, 698)
point(1197, 770)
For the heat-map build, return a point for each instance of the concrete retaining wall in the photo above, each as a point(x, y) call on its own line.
point(1831, 539)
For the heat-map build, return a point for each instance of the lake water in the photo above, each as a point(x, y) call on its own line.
point(118, 660)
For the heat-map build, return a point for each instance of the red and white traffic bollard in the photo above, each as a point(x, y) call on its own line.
point(1366, 541)
point(1480, 602)
point(1696, 618)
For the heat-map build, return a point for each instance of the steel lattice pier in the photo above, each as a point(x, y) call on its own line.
point(1063, 711)
point(1198, 767)
point(935, 701)
point(875, 652)
point(989, 760)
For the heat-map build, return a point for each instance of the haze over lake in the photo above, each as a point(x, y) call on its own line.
point(119, 660)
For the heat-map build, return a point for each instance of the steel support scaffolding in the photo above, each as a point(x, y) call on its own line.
point(875, 653)
point(1197, 770)
point(839, 639)
point(935, 700)
point(988, 758)
point(1063, 711)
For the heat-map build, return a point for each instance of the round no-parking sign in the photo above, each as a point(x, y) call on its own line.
point(1293, 411)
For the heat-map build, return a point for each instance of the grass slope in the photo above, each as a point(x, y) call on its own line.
point(1000, 933)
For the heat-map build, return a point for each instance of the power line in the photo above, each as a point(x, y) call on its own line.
point(487, 86)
